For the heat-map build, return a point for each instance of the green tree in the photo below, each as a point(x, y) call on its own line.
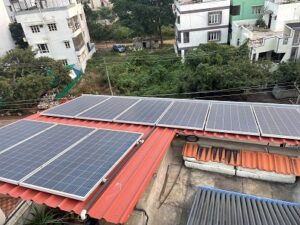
point(288, 72)
point(17, 34)
point(145, 17)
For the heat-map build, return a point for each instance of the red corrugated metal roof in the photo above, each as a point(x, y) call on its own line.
point(118, 200)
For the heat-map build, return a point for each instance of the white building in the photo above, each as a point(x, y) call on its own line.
point(96, 4)
point(6, 41)
point(56, 29)
point(279, 39)
point(200, 22)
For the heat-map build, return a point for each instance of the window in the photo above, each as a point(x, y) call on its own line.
point(35, 29)
point(67, 44)
point(256, 10)
point(178, 19)
point(214, 36)
point(52, 27)
point(235, 10)
point(64, 62)
point(186, 37)
point(294, 53)
point(179, 36)
point(43, 48)
point(81, 17)
point(214, 18)
point(10, 8)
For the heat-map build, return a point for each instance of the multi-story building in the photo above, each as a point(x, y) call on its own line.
point(276, 36)
point(200, 22)
point(96, 4)
point(6, 41)
point(245, 9)
point(56, 29)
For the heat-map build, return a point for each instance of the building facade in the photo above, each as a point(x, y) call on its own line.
point(6, 42)
point(276, 37)
point(245, 9)
point(55, 29)
point(96, 4)
point(200, 22)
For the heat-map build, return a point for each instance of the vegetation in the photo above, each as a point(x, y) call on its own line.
point(42, 216)
point(24, 77)
point(145, 17)
point(210, 67)
point(17, 34)
point(130, 19)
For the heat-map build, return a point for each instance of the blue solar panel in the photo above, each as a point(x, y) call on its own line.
point(76, 106)
point(17, 132)
point(147, 112)
point(186, 114)
point(21, 160)
point(278, 121)
point(76, 173)
point(232, 118)
point(109, 109)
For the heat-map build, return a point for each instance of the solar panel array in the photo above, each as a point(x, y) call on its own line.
point(228, 117)
point(78, 172)
point(84, 154)
point(186, 114)
point(17, 132)
point(232, 118)
point(278, 121)
point(76, 106)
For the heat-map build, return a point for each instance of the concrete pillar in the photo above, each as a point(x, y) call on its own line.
point(182, 55)
point(257, 56)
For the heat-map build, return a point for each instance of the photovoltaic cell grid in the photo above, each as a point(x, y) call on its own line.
point(186, 114)
point(109, 109)
point(76, 106)
point(278, 122)
point(21, 160)
point(17, 132)
point(76, 173)
point(147, 112)
point(232, 118)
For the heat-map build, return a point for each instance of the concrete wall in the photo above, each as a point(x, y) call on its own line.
point(6, 42)
point(282, 13)
point(55, 39)
point(246, 9)
point(194, 19)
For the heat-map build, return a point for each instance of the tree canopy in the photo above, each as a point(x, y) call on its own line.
point(144, 17)
point(24, 77)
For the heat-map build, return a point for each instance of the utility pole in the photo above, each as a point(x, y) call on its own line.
point(107, 74)
point(298, 89)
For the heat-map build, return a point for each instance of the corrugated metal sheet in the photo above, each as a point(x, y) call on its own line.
point(248, 159)
point(214, 206)
point(118, 200)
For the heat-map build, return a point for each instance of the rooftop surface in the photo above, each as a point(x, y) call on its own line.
point(212, 206)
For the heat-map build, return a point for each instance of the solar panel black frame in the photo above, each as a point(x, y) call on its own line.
point(14, 180)
point(24, 137)
point(206, 104)
point(83, 115)
point(50, 113)
point(120, 118)
point(266, 134)
point(232, 131)
point(78, 197)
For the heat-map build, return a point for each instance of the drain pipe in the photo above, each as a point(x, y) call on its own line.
point(84, 212)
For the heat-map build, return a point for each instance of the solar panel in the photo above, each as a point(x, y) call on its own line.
point(232, 118)
point(146, 111)
point(76, 173)
point(76, 106)
point(19, 131)
point(186, 114)
point(278, 121)
point(21, 160)
point(109, 109)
